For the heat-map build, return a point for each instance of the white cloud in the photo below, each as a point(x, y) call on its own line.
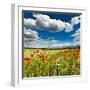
point(76, 20)
point(30, 34)
point(30, 23)
point(41, 43)
point(76, 35)
point(44, 22)
point(68, 27)
point(67, 44)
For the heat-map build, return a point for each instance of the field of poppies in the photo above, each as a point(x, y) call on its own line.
point(51, 62)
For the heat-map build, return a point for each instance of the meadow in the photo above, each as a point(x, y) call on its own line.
point(51, 62)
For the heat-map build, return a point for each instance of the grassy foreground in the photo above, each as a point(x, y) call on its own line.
point(45, 62)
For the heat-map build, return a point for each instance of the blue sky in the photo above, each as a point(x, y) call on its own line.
point(62, 28)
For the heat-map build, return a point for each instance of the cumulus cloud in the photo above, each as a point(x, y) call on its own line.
point(76, 20)
point(30, 34)
point(31, 23)
point(44, 22)
point(76, 35)
point(68, 27)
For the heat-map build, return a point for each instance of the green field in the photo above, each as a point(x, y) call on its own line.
point(51, 62)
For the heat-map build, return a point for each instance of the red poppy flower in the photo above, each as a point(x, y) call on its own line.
point(37, 51)
point(65, 57)
point(32, 55)
point(43, 58)
point(27, 59)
